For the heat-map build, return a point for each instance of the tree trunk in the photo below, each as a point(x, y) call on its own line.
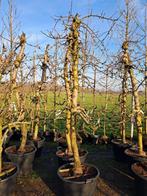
point(74, 66)
point(35, 136)
point(24, 138)
point(132, 119)
point(123, 104)
point(137, 110)
point(68, 94)
point(45, 113)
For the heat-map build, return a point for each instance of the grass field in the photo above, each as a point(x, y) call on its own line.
point(112, 113)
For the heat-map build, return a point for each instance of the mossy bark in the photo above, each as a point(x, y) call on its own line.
point(68, 93)
point(37, 118)
point(71, 86)
point(24, 138)
point(123, 104)
point(128, 66)
point(16, 65)
point(74, 68)
point(45, 113)
point(137, 110)
point(125, 63)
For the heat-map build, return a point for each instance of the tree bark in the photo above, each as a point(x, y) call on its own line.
point(74, 65)
point(123, 104)
point(24, 138)
point(137, 110)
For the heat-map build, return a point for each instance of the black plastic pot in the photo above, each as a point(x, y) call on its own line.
point(78, 187)
point(62, 142)
point(24, 161)
point(7, 184)
point(65, 159)
point(134, 156)
point(118, 150)
point(140, 184)
point(16, 135)
point(95, 139)
point(49, 136)
point(144, 141)
point(39, 144)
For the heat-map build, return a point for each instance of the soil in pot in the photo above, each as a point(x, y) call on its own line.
point(133, 155)
point(24, 160)
point(104, 139)
point(64, 158)
point(83, 185)
point(119, 148)
point(140, 174)
point(8, 180)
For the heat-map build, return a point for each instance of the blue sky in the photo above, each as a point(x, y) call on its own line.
point(37, 15)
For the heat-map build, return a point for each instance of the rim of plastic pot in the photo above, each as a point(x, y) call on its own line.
point(116, 141)
point(11, 176)
point(132, 168)
point(21, 154)
point(42, 138)
point(135, 154)
point(60, 149)
point(79, 182)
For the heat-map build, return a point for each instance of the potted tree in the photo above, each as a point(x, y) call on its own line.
point(66, 155)
point(24, 154)
point(76, 178)
point(8, 170)
point(137, 153)
point(120, 145)
point(140, 173)
point(36, 137)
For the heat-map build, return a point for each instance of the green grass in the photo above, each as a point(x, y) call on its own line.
point(112, 116)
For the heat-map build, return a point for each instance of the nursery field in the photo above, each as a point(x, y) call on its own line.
point(115, 177)
point(73, 98)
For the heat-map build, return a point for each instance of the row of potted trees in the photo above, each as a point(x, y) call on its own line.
point(76, 176)
point(125, 150)
point(21, 156)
